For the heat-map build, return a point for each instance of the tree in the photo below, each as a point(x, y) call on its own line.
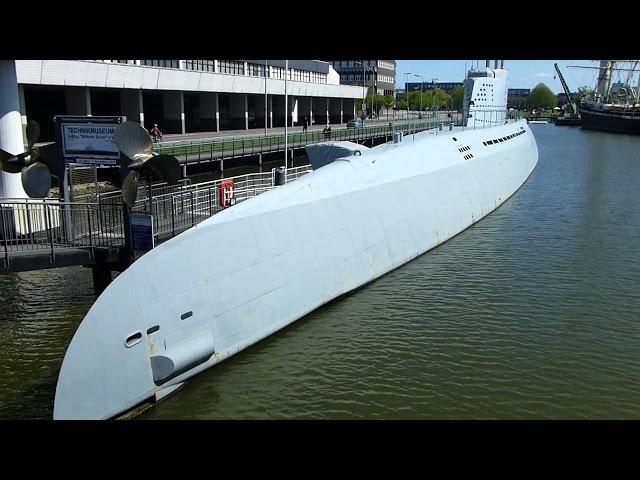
point(541, 96)
point(583, 92)
point(457, 98)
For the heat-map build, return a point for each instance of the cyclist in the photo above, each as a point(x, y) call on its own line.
point(156, 133)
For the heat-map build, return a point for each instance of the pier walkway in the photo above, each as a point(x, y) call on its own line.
point(202, 148)
point(48, 233)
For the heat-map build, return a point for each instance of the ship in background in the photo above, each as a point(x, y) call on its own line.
point(615, 105)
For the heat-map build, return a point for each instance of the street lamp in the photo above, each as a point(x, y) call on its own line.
point(362, 109)
point(433, 92)
point(406, 90)
point(421, 82)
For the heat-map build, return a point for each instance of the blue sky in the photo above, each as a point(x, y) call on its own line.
point(522, 73)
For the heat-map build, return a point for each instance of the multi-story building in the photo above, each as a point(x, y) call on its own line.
point(448, 87)
point(184, 96)
point(381, 74)
point(516, 97)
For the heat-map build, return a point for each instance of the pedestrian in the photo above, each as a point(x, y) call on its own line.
point(304, 125)
point(156, 133)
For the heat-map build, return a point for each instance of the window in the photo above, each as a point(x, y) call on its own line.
point(161, 63)
point(255, 70)
point(277, 72)
point(200, 65)
point(231, 67)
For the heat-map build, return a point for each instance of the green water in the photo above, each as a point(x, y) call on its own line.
point(534, 312)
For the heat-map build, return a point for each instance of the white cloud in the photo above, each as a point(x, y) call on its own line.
point(542, 74)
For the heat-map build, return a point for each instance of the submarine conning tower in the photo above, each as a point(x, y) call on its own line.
point(485, 96)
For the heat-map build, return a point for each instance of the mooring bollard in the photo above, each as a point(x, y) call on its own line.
point(280, 177)
point(450, 126)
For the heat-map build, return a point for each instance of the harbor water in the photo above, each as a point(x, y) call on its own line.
point(533, 313)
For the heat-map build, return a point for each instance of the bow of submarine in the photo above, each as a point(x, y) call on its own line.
point(108, 367)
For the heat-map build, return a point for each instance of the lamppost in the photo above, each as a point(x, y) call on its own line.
point(433, 92)
point(421, 82)
point(286, 118)
point(406, 90)
point(266, 74)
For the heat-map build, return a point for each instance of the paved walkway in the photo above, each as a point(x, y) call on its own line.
point(260, 131)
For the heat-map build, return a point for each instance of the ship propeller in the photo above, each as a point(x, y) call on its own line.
point(134, 142)
point(35, 174)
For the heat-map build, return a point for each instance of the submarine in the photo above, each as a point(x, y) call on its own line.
point(261, 264)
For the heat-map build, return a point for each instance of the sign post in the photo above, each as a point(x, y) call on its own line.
point(90, 141)
point(142, 235)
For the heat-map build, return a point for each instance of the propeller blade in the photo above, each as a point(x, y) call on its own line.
point(130, 188)
point(50, 156)
point(8, 162)
point(133, 141)
point(36, 180)
point(33, 133)
point(166, 167)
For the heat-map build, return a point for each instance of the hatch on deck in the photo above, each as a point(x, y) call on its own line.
point(322, 154)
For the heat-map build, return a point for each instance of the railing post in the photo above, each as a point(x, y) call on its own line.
point(48, 215)
point(173, 216)
point(90, 236)
point(192, 209)
point(4, 238)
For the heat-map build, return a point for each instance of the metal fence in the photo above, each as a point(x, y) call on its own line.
point(50, 224)
point(176, 211)
point(229, 147)
point(29, 225)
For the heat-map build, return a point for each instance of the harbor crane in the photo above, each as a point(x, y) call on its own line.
point(571, 106)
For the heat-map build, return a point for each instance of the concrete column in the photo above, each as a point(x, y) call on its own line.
point(131, 105)
point(217, 112)
point(184, 130)
point(11, 139)
point(310, 111)
point(246, 105)
point(208, 110)
point(293, 110)
point(328, 119)
point(270, 110)
point(141, 107)
point(173, 107)
point(23, 114)
point(78, 100)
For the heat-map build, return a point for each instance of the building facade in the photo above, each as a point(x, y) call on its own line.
point(517, 97)
point(448, 87)
point(380, 74)
point(184, 96)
